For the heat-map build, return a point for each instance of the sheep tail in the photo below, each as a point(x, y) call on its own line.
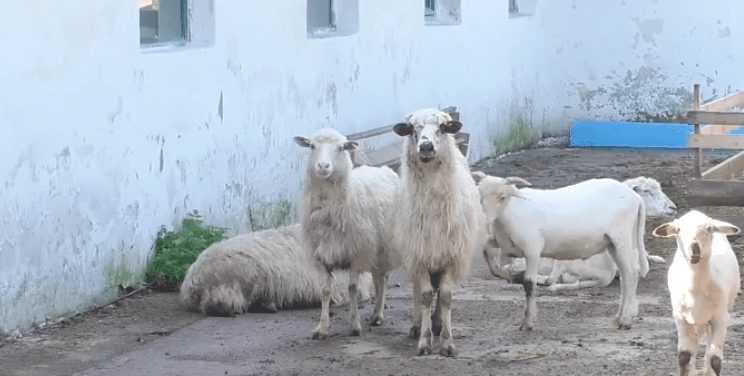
point(640, 244)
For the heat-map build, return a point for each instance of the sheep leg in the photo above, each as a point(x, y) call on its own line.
point(380, 280)
point(436, 318)
point(588, 283)
point(496, 263)
point(415, 331)
point(626, 262)
point(321, 331)
point(686, 346)
point(530, 290)
point(714, 352)
point(356, 326)
point(427, 295)
point(446, 345)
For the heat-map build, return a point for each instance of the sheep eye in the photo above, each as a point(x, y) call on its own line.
point(312, 147)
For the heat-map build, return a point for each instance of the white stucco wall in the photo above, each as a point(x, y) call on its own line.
point(623, 59)
point(104, 143)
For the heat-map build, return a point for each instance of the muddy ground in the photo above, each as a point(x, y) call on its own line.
point(150, 335)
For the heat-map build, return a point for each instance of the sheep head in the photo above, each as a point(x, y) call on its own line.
point(427, 128)
point(658, 204)
point(329, 153)
point(694, 233)
point(495, 192)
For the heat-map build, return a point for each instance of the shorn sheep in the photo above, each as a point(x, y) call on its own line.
point(600, 270)
point(260, 271)
point(573, 222)
point(344, 217)
point(703, 282)
point(439, 223)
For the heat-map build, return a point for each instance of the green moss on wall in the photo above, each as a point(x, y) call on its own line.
point(263, 216)
point(520, 134)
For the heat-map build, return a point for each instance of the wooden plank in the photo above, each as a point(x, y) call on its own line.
point(725, 103)
point(715, 141)
point(717, 129)
point(722, 118)
point(386, 155)
point(703, 192)
point(696, 125)
point(729, 169)
point(452, 111)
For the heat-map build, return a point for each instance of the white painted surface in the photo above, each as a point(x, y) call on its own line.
point(87, 113)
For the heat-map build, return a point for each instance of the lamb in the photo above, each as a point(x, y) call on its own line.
point(573, 222)
point(599, 270)
point(258, 272)
point(439, 224)
point(703, 282)
point(344, 217)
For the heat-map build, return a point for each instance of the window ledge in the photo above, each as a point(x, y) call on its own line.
point(322, 33)
point(153, 48)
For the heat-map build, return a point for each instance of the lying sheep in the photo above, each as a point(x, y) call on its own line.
point(599, 270)
point(703, 282)
point(573, 222)
point(344, 217)
point(438, 222)
point(260, 271)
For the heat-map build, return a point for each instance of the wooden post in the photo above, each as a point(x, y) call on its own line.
point(698, 151)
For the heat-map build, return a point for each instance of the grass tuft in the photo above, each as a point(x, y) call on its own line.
point(175, 251)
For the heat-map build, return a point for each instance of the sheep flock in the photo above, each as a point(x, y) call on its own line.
point(435, 217)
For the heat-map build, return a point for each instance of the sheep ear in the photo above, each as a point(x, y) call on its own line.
point(516, 180)
point(478, 176)
point(666, 230)
point(350, 145)
point(724, 228)
point(302, 141)
point(452, 126)
point(403, 129)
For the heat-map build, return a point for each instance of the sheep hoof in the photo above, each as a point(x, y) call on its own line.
point(376, 321)
point(622, 323)
point(356, 332)
point(525, 327)
point(319, 335)
point(448, 351)
point(424, 350)
point(415, 332)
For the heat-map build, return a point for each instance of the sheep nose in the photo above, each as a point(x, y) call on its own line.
point(324, 165)
point(426, 146)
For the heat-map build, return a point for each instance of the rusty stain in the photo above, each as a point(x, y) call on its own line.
point(219, 107)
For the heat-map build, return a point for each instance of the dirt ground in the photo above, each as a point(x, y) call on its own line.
point(150, 335)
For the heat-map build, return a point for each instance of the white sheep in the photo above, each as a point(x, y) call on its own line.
point(600, 270)
point(438, 223)
point(573, 222)
point(596, 271)
point(344, 221)
point(260, 271)
point(703, 282)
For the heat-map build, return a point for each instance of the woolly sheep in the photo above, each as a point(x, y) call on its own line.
point(703, 282)
point(344, 218)
point(438, 223)
point(599, 270)
point(260, 271)
point(601, 213)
